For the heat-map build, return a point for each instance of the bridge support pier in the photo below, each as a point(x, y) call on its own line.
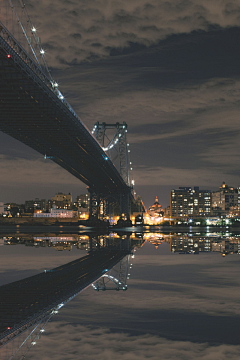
point(101, 205)
point(125, 206)
point(94, 205)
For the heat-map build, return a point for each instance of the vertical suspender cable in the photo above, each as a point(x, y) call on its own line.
point(35, 38)
point(24, 32)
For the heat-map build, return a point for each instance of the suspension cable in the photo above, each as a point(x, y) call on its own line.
point(33, 31)
point(23, 30)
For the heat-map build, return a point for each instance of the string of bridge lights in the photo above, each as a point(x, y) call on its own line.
point(40, 49)
point(112, 143)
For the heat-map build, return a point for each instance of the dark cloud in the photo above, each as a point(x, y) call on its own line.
point(102, 343)
point(76, 36)
point(114, 24)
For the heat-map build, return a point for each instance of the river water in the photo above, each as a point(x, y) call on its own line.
point(182, 300)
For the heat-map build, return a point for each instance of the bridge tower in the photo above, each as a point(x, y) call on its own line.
point(116, 278)
point(120, 138)
point(100, 203)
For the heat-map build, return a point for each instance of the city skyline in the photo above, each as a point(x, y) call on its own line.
point(172, 75)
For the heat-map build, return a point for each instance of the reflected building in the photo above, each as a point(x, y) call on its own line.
point(190, 244)
point(226, 246)
point(179, 243)
point(62, 245)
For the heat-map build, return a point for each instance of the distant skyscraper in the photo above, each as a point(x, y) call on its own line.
point(186, 201)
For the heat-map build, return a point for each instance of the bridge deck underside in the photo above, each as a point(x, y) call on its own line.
point(32, 296)
point(33, 114)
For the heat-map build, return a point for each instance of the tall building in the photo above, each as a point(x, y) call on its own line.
point(224, 199)
point(186, 201)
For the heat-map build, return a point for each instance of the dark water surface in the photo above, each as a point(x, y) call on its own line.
point(182, 300)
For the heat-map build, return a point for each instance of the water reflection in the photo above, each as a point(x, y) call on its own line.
point(31, 301)
point(192, 243)
point(158, 288)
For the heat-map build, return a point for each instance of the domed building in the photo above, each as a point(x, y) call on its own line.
point(155, 210)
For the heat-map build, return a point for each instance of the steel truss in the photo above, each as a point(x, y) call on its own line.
point(100, 204)
point(116, 279)
point(119, 137)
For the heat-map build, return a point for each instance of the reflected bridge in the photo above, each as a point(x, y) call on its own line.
point(28, 302)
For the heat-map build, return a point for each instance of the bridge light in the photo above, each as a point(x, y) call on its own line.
point(8, 56)
point(42, 52)
point(133, 182)
point(105, 158)
point(34, 29)
point(8, 328)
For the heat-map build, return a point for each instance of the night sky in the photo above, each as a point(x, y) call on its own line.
point(170, 69)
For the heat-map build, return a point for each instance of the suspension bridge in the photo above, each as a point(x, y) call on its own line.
point(35, 112)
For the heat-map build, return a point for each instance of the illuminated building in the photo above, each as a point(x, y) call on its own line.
point(154, 215)
point(57, 213)
point(61, 201)
point(186, 201)
point(190, 244)
point(156, 209)
point(224, 199)
point(82, 201)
